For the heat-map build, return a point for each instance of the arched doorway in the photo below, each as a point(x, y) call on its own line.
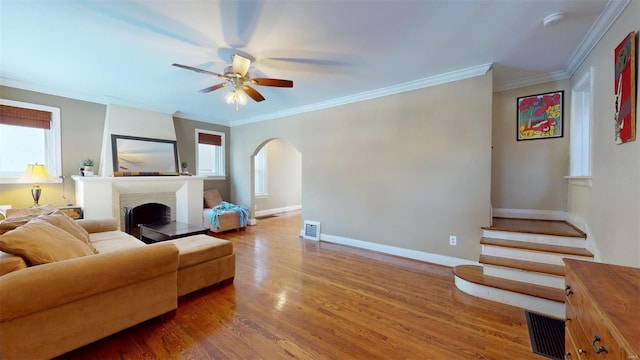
point(276, 184)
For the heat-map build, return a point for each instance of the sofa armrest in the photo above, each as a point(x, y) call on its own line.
point(46, 286)
point(98, 225)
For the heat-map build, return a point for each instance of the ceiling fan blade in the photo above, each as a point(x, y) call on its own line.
point(197, 70)
point(240, 64)
point(253, 93)
point(272, 82)
point(214, 87)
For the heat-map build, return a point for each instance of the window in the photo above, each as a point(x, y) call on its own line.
point(210, 153)
point(580, 131)
point(260, 172)
point(29, 134)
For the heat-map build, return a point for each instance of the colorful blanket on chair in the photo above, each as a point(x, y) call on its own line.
point(223, 208)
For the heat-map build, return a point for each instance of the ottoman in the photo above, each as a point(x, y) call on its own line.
point(204, 261)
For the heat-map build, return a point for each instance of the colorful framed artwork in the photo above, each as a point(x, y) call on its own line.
point(625, 90)
point(541, 116)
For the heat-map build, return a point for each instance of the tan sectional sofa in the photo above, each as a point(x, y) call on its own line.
point(51, 308)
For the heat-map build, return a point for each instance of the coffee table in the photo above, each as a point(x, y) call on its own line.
point(152, 233)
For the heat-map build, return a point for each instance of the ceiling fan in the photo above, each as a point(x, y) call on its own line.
point(237, 76)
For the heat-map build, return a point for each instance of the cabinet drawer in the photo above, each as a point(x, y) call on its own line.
point(588, 327)
point(575, 336)
point(570, 350)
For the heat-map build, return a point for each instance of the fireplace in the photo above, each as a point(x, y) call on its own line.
point(150, 213)
point(100, 196)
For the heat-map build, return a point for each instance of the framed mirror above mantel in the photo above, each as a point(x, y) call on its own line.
point(147, 156)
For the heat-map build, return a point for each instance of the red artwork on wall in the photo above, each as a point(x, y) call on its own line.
point(625, 90)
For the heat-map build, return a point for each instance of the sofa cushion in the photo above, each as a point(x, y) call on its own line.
point(10, 262)
point(67, 224)
point(197, 249)
point(98, 225)
point(12, 223)
point(16, 217)
point(39, 242)
point(212, 198)
point(33, 212)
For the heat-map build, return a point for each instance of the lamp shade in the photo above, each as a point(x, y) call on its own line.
point(35, 173)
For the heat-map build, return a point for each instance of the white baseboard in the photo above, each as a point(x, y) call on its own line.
point(397, 251)
point(277, 210)
point(530, 214)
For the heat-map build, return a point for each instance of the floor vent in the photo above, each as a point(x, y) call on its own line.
point(312, 230)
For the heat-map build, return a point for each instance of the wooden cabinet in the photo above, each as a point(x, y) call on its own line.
point(74, 212)
point(602, 311)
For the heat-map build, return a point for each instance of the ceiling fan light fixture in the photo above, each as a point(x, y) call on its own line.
point(237, 97)
point(240, 64)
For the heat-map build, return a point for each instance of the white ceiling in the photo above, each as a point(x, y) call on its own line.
point(335, 51)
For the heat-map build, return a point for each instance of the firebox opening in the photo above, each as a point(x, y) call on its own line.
point(150, 213)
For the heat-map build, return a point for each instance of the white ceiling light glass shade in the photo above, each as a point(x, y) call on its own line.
point(237, 97)
point(240, 65)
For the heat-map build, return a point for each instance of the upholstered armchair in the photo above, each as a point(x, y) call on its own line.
point(221, 216)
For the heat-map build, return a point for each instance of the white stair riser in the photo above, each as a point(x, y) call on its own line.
point(535, 238)
point(536, 256)
point(530, 277)
point(533, 303)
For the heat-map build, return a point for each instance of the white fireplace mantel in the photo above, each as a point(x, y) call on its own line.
point(99, 196)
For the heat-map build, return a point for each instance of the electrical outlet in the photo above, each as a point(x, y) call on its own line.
point(453, 240)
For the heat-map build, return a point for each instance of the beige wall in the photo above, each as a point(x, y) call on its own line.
point(406, 170)
point(528, 174)
point(82, 127)
point(186, 137)
point(81, 124)
point(612, 204)
point(284, 177)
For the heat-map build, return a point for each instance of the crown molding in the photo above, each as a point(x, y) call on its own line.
point(609, 15)
point(23, 85)
point(97, 99)
point(535, 80)
point(367, 95)
point(196, 117)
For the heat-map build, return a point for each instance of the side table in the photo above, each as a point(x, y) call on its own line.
point(74, 212)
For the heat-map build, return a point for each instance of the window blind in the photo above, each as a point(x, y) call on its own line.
point(11, 115)
point(209, 139)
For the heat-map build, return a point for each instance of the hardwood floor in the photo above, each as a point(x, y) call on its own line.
point(294, 298)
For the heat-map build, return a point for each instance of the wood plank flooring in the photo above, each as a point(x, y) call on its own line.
point(300, 299)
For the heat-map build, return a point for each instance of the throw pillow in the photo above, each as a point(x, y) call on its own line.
point(12, 223)
point(67, 224)
point(39, 242)
point(212, 198)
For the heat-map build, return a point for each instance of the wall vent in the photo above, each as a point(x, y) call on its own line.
point(312, 230)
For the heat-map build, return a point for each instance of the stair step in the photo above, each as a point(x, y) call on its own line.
point(525, 245)
point(474, 274)
point(523, 265)
point(536, 226)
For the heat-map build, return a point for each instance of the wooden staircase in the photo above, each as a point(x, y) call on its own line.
point(521, 263)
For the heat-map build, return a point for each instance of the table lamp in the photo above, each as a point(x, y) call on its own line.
point(35, 174)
